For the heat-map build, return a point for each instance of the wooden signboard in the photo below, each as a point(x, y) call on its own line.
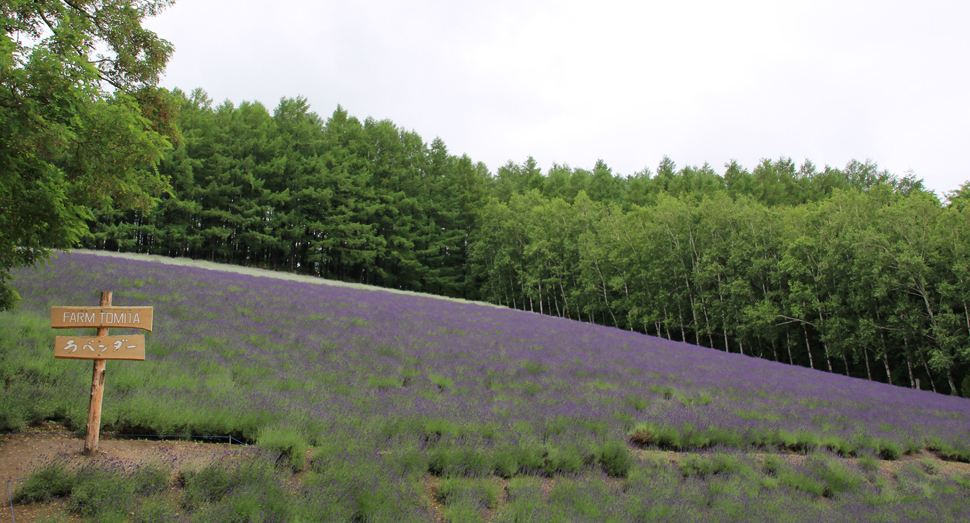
point(95, 317)
point(131, 347)
point(100, 348)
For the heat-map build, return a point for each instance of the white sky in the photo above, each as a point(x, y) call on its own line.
point(570, 82)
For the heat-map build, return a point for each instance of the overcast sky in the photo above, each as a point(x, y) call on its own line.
point(629, 82)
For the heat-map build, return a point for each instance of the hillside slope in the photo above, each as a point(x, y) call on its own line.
point(426, 385)
point(270, 338)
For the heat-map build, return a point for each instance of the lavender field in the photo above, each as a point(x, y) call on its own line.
point(391, 393)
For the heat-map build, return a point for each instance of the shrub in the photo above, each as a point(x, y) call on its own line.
point(559, 460)
point(506, 462)
point(704, 466)
point(215, 481)
point(100, 490)
point(154, 510)
point(637, 402)
point(579, 498)
point(53, 480)
point(410, 462)
point(484, 493)
point(99, 493)
point(890, 450)
point(471, 462)
point(614, 458)
point(772, 464)
point(250, 503)
point(529, 458)
point(964, 481)
point(837, 476)
point(525, 502)
point(801, 481)
point(950, 452)
point(286, 440)
point(930, 467)
point(13, 409)
point(362, 490)
point(464, 511)
point(868, 461)
point(664, 437)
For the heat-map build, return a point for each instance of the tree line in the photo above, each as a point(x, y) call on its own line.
point(851, 270)
point(872, 283)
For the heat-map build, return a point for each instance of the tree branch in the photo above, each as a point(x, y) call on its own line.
point(793, 320)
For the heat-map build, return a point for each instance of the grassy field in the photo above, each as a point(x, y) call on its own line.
point(412, 407)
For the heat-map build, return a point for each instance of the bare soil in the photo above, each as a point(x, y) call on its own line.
point(21, 453)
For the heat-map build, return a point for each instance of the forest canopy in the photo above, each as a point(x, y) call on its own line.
point(852, 270)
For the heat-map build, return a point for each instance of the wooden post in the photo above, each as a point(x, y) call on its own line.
point(92, 438)
point(100, 348)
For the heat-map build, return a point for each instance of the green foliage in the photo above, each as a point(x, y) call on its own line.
point(252, 503)
point(836, 474)
point(615, 459)
point(889, 450)
point(868, 461)
point(931, 467)
point(466, 509)
point(529, 457)
point(98, 491)
point(154, 509)
point(350, 483)
point(526, 503)
point(484, 493)
point(947, 451)
point(802, 481)
point(246, 481)
point(339, 197)
point(73, 146)
point(583, 499)
point(506, 462)
point(687, 437)
point(533, 367)
point(839, 284)
point(563, 460)
point(51, 481)
point(443, 382)
point(964, 481)
point(28, 380)
point(703, 466)
point(461, 461)
point(288, 441)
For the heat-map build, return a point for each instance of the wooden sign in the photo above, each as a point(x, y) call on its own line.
point(100, 347)
point(95, 317)
point(131, 347)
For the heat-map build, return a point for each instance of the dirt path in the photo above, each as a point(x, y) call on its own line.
point(20, 453)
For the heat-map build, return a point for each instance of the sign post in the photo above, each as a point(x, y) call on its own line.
point(100, 348)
